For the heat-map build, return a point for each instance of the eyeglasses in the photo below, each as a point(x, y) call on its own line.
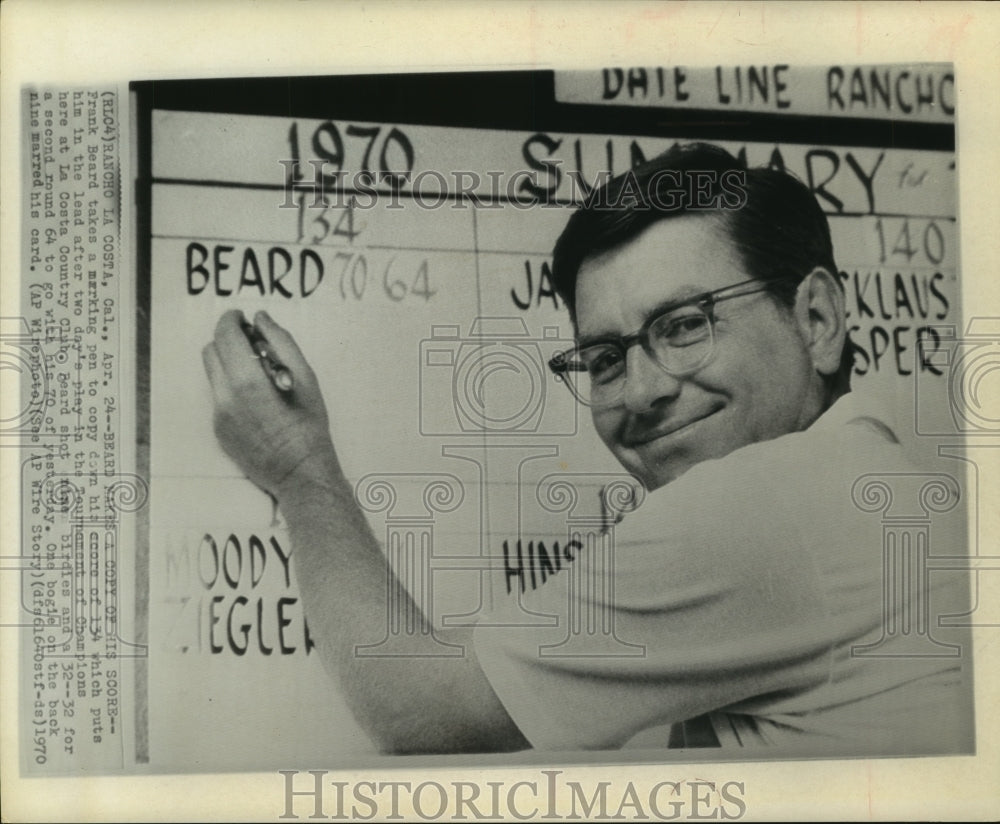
point(680, 339)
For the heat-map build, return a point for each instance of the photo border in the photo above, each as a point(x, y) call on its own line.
point(51, 42)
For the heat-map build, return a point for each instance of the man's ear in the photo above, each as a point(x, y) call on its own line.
point(820, 313)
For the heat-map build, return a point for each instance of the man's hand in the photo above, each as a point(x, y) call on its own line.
point(277, 438)
point(282, 441)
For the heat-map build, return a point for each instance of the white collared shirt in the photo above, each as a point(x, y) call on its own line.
point(757, 591)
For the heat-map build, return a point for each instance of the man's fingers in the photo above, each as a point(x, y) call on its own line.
point(216, 375)
point(230, 340)
point(284, 346)
point(236, 354)
point(239, 360)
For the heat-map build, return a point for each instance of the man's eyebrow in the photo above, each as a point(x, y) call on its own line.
point(681, 296)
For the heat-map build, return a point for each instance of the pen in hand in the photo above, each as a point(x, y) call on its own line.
point(275, 369)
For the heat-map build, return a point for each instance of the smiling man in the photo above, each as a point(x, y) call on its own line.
point(713, 354)
point(742, 321)
point(763, 365)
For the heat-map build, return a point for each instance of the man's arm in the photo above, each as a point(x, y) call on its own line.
point(281, 440)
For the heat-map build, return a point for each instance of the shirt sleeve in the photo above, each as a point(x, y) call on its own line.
point(715, 591)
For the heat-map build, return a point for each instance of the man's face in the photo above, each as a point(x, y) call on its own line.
point(759, 383)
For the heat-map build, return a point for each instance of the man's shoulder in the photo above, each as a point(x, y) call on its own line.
point(854, 429)
point(813, 469)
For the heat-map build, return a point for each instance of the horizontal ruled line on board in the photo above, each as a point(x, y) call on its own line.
point(465, 250)
point(332, 246)
point(887, 266)
point(483, 197)
point(458, 197)
point(950, 218)
point(217, 184)
point(865, 265)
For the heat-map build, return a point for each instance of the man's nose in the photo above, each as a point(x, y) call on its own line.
point(646, 384)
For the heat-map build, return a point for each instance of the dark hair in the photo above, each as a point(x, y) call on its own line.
point(770, 217)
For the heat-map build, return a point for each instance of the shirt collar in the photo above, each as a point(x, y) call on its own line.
point(858, 408)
